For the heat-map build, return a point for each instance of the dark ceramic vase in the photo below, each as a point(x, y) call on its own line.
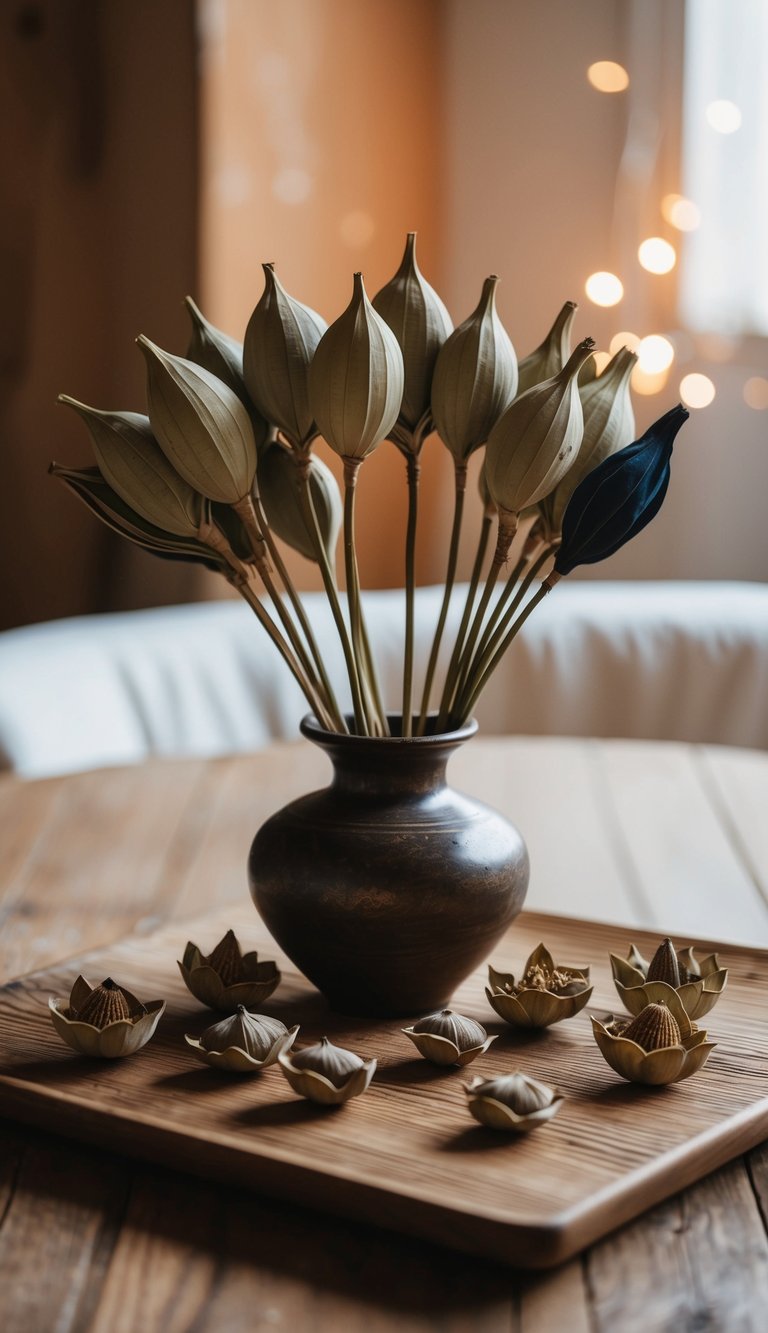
point(387, 888)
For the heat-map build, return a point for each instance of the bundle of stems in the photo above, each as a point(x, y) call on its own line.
point(221, 471)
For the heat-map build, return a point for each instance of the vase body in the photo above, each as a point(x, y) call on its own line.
point(387, 888)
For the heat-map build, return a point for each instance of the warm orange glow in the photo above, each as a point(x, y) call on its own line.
point(723, 116)
point(646, 383)
point(756, 393)
point(655, 354)
point(619, 340)
point(697, 390)
point(604, 288)
point(680, 212)
point(608, 77)
point(657, 255)
point(357, 229)
point(601, 361)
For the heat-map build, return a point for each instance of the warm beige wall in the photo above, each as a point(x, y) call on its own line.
point(319, 130)
point(539, 186)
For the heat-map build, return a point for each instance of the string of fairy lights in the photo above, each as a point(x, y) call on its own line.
point(658, 257)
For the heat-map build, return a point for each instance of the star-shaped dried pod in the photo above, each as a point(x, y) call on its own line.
point(513, 1102)
point(699, 985)
point(245, 1043)
point(660, 1045)
point(446, 1038)
point(106, 1020)
point(227, 977)
point(546, 993)
point(326, 1073)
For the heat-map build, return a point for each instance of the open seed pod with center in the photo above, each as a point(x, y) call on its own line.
point(546, 993)
point(699, 985)
point(326, 1073)
point(659, 1046)
point(227, 977)
point(106, 1020)
point(244, 1043)
point(514, 1102)
point(446, 1038)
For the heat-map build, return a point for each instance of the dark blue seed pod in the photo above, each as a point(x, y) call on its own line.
point(619, 497)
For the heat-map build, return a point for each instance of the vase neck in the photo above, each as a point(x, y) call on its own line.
point(376, 769)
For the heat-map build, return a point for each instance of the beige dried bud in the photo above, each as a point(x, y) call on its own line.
point(420, 322)
point(446, 1038)
point(356, 379)
point(609, 425)
point(475, 378)
point(106, 1021)
point(132, 463)
point(215, 351)
point(278, 483)
point(280, 341)
point(514, 1102)
point(546, 993)
point(244, 1043)
point(534, 442)
point(698, 986)
point(659, 1046)
point(228, 977)
point(549, 358)
point(326, 1073)
point(201, 426)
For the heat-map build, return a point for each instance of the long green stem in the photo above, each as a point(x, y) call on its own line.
point(480, 683)
point(488, 647)
point(460, 472)
point(329, 583)
point(360, 645)
point(413, 468)
point(456, 655)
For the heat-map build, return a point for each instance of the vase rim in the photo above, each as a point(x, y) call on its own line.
point(313, 731)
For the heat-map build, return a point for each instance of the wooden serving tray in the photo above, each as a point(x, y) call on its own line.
point(406, 1155)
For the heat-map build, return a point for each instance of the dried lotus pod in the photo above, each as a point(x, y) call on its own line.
point(513, 1102)
point(227, 977)
point(446, 1038)
point(664, 965)
point(245, 1042)
point(653, 1028)
point(475, 378)
point(550, 356)
point(326, 1073)
point(659, 1046)
point(697, 985)
point(215, 351)
point(281, 338)
point(546, 993)
point(278, 483)
point(106, 1020)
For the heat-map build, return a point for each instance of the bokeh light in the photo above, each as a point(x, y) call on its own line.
point(723, 116)
point(657, 255)
point(604, 288)
point(647, 382)
point(680, 212)
point(608, 76)
point(655, 354)
point(697, 390)
point(756, 393)
point(624, 339)
point(601, 361)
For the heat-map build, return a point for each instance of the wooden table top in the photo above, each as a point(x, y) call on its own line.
point(659, 835)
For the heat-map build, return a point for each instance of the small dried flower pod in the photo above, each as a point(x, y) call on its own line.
point(244, 1043)
point(659, 1046)
point(546, 993)
point(697, 985)
point(277, 482)
point(514, 1102)
point(446, 1038)
point(227, 977)
point(106, 1020)
point(475, 378)
point(280, 341)
point(215, 351)
point(549, 358)
point(326, 1073)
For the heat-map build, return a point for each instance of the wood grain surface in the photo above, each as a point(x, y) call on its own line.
point(90, 1240)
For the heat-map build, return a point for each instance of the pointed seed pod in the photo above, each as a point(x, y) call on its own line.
point(653, 1029)
point(333, 1062)
point(105, 1004)
point(550, 356)
point(200, 424)
point(475, 378)
point(356, 379)
point(215, 351)
point(133, 464)
point(420, 322)
point(534, 442)
point(278, 480)
point(523, 1095)
point(280, 341)
point(609, 425)
point(664, 966)
point(255, 1034)
point(463, 1032)
point(227, 959)
point(619, 497)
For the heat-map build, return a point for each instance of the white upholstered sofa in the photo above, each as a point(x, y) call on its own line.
point(684, 661)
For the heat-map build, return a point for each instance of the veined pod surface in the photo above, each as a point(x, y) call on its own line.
point(280, 341)
point(550, 356)
point(475, 378)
